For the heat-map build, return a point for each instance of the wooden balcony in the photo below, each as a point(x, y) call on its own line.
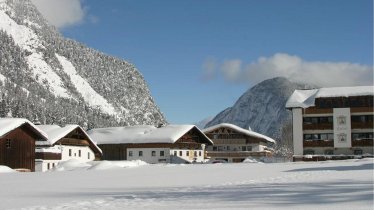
point(229, 141)
point(242, 154)
point(48, 156)
point(362, 125)
point(75, 142)
point(322, 126)
point(361, 109)
point(314, 110)
point(362, 143)
point(318, 143)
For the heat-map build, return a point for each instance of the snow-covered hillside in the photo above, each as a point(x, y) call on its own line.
point(105, 185)
point(262, 108)
point(44, 75)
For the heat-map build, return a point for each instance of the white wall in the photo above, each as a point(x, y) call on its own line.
point(199, 158)
point(342, 128)
point(86, 153)
point(147, 155)
point(45, 165)
point(168, 155)
point(297, 131)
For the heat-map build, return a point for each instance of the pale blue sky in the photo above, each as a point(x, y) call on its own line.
point(169, 41)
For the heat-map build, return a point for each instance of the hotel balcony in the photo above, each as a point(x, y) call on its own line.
point(242, 154)
point(318, 143)
point(362, 143)
point(321, 126)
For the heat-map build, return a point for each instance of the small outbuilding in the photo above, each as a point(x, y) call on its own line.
point(17, 143)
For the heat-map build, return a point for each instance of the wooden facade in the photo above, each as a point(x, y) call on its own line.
point(17, 148)
point(234, 145)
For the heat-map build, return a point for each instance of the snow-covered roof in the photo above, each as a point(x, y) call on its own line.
point(240, 130)
point(141, 134)
point(55, 133)
point(306, 98)
point(9, 124)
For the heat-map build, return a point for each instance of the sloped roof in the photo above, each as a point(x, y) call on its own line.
point(9, 124)
point(55, 133)
point(141, 134)
point(238, 129)
point(306, 98)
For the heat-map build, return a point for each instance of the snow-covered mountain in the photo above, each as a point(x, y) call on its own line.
point(57, 80)
point(262, 108)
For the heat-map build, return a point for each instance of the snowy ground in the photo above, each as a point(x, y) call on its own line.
point(317, 185)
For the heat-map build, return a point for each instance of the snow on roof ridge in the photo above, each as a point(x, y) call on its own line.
point(306, 98)
point(141, 134)
point(57, 133)
point(9, 124)
point(239, 129)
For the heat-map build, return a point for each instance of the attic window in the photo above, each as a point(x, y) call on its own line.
point(8, 143)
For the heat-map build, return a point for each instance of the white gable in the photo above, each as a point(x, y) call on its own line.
point(55, 133)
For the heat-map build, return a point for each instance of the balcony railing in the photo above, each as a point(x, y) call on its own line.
point(322, 126)
point(48, 156)
point(242, 154)
point(318, 143)
point(361, 125)
point(362, 143)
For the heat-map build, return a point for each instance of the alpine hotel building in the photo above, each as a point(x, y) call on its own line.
point(332, 123)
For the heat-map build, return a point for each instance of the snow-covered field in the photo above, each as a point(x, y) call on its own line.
point(115, 185)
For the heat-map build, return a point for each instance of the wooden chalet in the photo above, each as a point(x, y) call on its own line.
point(234, 144)
point(65, 143)
point(167, 144)
point(17, 143)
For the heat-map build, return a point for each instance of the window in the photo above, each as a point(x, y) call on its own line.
point(153, 153)
point(175, 153)
point(228, 148)
point(8, 144)
point(130, 153)
point(357, 152)
point(48, 166)
point(70, 152)
point(140, 153)
point(309, 152)
point(249, 148)
point(329, 152)
point(79, 153)
point(180, 153)
point(195, 153)
point(244, 148)
point(220, 148)
point(199, 153)
point(162, 153)
point(187, 153)
point(214, 148)
point(88, 155)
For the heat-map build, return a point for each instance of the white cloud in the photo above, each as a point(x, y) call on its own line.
point(324, 74)
point(231, 69)
point(61, 13)
point(209, 67)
